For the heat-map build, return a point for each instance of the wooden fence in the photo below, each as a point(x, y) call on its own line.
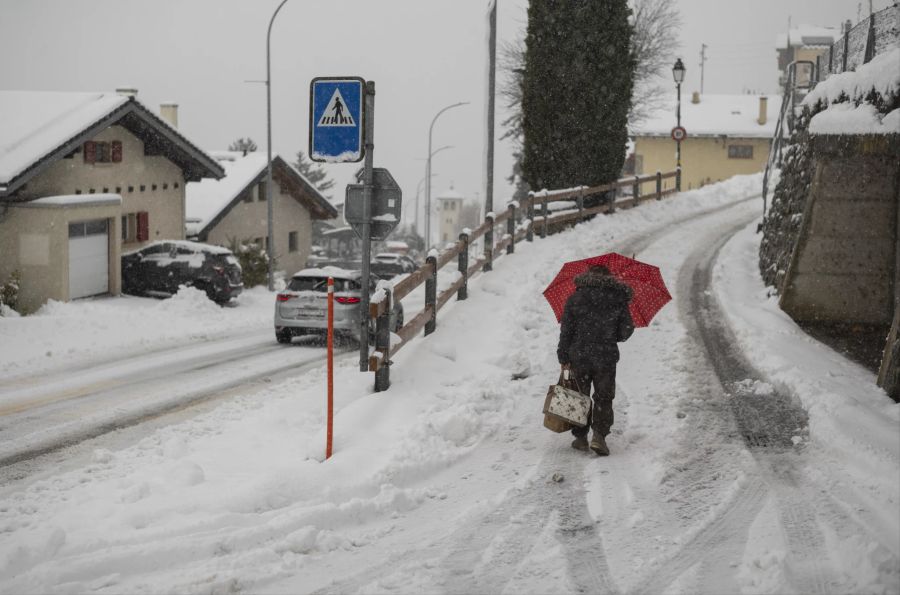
point(539, 218)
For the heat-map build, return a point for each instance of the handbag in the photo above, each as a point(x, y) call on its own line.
point(565, 407)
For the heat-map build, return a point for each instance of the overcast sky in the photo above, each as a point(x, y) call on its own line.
point(422, 54)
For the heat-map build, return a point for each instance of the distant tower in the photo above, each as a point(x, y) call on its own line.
point(450, 202)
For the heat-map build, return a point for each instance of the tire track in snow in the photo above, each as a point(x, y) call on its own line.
point(767, 422)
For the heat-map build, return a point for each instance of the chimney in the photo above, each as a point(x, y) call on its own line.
point(169, 112)
point(695, 98)
point(127, 91)
point(763, 103)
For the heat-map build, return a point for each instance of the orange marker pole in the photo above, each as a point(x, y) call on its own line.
point(330, 366)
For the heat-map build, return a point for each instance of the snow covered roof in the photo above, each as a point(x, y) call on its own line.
point(74, 200)
point(207, 201)
point(38, 127)
point(715, 115)
point(808, 35)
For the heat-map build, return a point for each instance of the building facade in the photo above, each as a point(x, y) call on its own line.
point(84, 177)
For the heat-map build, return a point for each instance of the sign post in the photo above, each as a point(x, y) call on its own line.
point(330, 413)
point(368, 177)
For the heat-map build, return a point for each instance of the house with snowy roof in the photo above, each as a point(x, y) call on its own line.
point(234, 207)
point(82, 177)
point(803, 43)
point(727, 135)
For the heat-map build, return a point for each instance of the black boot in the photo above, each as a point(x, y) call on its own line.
point(598, 445)
point(580, 443)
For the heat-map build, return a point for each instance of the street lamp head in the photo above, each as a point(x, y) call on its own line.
point(678, 71)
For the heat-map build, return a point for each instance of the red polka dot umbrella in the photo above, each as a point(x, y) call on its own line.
point(650, 293)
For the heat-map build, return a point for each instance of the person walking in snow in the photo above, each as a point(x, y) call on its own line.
point(594, 320)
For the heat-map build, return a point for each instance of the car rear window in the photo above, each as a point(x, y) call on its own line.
point(321, 284)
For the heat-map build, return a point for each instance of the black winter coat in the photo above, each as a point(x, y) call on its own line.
point(595, 318)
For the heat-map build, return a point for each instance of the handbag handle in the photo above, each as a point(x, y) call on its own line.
point(568, 380)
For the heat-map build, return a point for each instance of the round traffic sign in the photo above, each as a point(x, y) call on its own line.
point(679, 133)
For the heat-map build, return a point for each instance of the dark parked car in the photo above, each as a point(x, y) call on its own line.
point(160, 268)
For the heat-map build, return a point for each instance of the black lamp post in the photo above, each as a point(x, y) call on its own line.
point(678, 74)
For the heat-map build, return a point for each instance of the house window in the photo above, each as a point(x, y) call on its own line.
point(740, 152)
point(103, 151)
point(292, 241)
point(261, 188)
point(135, 227)
point(129, 228)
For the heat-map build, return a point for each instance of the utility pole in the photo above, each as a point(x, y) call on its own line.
point(489, 165)
point(703, 47)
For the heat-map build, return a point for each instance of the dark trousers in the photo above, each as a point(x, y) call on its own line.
point(601, 373)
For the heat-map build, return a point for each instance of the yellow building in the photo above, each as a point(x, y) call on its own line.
point(727, 135)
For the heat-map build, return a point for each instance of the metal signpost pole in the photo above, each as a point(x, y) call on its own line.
point(368, 176)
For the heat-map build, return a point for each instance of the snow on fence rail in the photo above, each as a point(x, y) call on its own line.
point(388, 344)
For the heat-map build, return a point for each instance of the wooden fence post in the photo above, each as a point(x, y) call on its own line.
point(431, 294)
point(546, 213)
point(511, 228)
point(658, 185)
point(463, 292)
point(678, 179)
point(383, 344)
point(870, 41)
point(489, 243)
point(636, 189)
point(529, 234)
point(846, 49)
point(579, 200)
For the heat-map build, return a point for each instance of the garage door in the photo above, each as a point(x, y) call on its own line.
point(88, 258)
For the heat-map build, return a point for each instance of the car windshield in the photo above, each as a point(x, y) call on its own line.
point(321, 284)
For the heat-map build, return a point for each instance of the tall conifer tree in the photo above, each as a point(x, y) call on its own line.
point(576, 93)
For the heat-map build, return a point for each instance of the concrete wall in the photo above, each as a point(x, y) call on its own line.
point(34, 239)
point(146, 183)
point(704, 160)
point(248, 220)
point(844, 266)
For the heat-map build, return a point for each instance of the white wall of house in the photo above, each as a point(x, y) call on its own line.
point(247, 222)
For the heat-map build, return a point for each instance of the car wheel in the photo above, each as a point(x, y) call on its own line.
point(283, 336)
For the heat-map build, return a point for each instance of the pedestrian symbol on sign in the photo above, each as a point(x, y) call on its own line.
point(334, 112)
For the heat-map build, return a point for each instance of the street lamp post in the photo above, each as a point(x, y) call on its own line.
point(270, 249)
point(678, 74)
point(418, 188)
point(428, 175)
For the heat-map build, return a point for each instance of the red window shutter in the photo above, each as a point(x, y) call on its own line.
point(116, 151)
point(90, 152)
point(143, 226)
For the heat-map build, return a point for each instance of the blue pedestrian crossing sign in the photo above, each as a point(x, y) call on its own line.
point(336, 119)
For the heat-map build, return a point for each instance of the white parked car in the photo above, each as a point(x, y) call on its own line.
point(302, 308)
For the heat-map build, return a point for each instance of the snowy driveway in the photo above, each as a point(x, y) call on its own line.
point(445, 482)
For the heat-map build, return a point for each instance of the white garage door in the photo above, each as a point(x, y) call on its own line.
point(88, 258)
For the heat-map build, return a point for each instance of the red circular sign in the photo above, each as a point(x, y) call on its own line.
point(679, 133)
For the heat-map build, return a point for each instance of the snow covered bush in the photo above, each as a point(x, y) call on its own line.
point(253, 260)
point(9, 293)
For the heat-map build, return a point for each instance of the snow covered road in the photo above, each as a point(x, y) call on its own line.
point(447, 483)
